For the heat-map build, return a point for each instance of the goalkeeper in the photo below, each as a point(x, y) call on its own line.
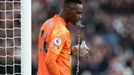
point(54, 40)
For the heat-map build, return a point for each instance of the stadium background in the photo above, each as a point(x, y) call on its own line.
point(108, 31)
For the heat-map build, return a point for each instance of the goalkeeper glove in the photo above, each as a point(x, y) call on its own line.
point(83, 49)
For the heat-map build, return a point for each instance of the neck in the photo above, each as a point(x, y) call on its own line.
point(61, 14)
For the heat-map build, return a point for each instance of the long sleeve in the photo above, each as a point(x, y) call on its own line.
point(56, 44)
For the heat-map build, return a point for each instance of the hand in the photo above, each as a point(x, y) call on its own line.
point(74, 50)
point(84, 50)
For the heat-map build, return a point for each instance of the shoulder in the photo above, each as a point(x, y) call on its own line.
point(47, 23)
point(61, 28)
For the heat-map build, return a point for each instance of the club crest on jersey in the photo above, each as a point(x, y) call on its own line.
point(57, 41)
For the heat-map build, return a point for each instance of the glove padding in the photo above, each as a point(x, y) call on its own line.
point(83, 50)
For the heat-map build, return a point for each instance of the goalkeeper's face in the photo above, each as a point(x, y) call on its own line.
point(73, 12)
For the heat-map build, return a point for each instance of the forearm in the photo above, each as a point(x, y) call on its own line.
point(51, 64)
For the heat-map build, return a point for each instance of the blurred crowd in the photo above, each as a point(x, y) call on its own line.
point(10, 37)
point(108, 32)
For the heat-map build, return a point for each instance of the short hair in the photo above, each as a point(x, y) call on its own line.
point(72, 1)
